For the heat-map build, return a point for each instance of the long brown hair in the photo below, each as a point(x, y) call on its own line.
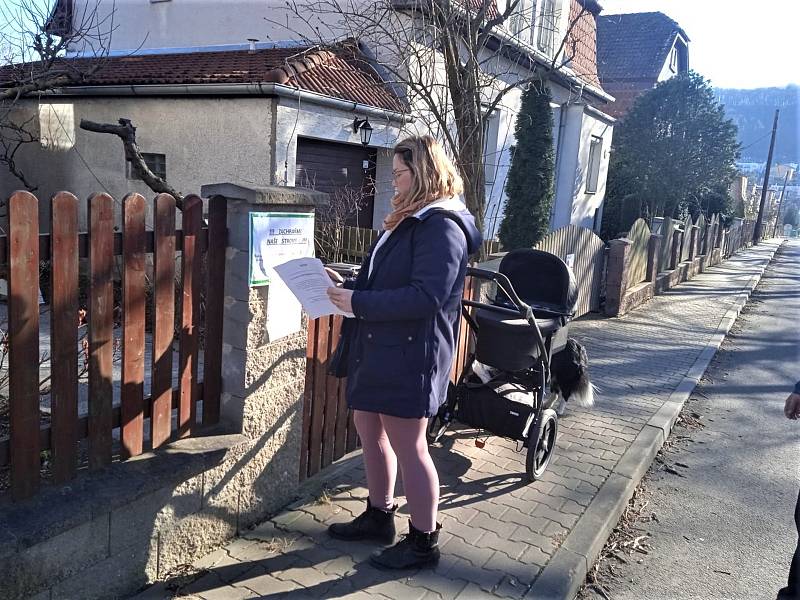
point(433, 177)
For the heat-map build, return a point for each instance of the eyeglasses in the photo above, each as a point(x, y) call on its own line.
point(396, 174)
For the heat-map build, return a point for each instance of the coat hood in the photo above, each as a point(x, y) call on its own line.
point(459, 213)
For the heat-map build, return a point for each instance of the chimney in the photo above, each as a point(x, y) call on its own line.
point(252, 45)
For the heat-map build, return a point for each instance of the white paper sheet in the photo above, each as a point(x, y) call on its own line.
point(308, 281)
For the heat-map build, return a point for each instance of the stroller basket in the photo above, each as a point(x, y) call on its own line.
point(506, 408)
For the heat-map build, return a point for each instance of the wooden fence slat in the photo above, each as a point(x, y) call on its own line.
point(190, 314)
point(308, 396)
point(331, 396)
point(64, 335)
point(101, 328)
point(133, 322)
point(23, 334)
point(82, 427)
point(215, 298)
point(164, 318)
point(318, 404)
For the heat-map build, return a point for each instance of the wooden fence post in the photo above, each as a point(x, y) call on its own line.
point(653, 252)
point(617, 275)
point(693, 242)
point(677, 242)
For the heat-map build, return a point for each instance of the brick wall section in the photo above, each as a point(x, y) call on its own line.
point(581, 44)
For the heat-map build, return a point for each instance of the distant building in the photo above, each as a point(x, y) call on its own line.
point(635, 52)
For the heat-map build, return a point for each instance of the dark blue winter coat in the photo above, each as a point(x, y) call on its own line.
point(407, 315)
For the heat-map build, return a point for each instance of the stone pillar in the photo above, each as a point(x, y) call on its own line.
point(653, 252)
point(693, 242)
point(677, 242)
point(708, 244)
point(262, 382)
point(617, 275)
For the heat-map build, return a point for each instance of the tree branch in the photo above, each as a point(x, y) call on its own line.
point(127, 133)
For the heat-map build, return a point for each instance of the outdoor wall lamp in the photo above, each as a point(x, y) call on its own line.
point(363, 126)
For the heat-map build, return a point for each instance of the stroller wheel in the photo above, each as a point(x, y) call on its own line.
point(436, 428)
point(542, 443)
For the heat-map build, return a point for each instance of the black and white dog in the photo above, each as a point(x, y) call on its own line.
point(569, 375)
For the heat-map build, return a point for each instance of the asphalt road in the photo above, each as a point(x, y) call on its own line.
point(724, 526)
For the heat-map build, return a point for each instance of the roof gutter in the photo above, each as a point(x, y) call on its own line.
point(599, 114)
point(233, 89)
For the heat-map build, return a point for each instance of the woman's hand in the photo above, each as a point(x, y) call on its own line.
point(341, 298)
point(335, 277)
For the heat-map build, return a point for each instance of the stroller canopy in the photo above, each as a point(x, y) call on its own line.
point(540, 279)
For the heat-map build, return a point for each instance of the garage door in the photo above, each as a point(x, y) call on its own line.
point(339, 170)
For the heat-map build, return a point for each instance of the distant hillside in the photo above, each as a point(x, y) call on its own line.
point(753, 112)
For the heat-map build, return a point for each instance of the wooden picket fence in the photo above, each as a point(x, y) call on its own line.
point(21, 252)
point(328, 429)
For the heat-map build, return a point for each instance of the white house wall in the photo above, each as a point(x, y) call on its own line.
point(179, 23)
point(205, 140)
point(586, 205)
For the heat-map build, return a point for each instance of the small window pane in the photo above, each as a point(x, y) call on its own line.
point(157, 163)
point(594, 165)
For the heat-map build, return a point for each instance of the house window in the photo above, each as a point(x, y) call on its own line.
point(673, 59)
point(593, 174)
point(491, 153)
point(521, 20)
point(157, 163)
point(548, 23)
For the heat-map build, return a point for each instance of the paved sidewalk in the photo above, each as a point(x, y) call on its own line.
point(501, 536)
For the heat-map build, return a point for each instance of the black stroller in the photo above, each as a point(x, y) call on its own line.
point(511, 382)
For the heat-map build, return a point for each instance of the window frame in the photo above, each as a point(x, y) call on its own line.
point(150, 159)
point(593, 164)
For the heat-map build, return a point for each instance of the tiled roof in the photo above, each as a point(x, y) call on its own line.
point(634, 46)
point(339, 71)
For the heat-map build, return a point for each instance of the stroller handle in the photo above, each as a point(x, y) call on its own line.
point(523, 309)
point(502, 281)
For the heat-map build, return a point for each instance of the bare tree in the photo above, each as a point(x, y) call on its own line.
point(454, 61)
point(34, 38)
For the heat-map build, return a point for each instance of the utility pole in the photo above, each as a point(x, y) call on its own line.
point(760, 219)
point(780, 205)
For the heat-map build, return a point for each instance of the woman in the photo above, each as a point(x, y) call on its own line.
point(406, 301)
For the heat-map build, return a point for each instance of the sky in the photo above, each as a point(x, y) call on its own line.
point(734, 43)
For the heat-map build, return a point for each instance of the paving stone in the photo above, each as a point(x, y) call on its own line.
point(227, 592)
point(473, 553)
point(304, 575)
point(445, 587)
point(267, 585)
point(520, 571)
point(565, 519)
point(511, 588)
point(474, 592)
point(398, 589)
point(341, 565)
point(531, 538)
point(498, 526)
point(513, 548)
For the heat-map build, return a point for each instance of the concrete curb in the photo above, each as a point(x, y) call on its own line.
point(565, 573)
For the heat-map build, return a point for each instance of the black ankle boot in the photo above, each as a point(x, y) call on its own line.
point(372, 524)
point(416, 549)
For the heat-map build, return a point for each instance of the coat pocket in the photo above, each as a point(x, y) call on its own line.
point(389, 350)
